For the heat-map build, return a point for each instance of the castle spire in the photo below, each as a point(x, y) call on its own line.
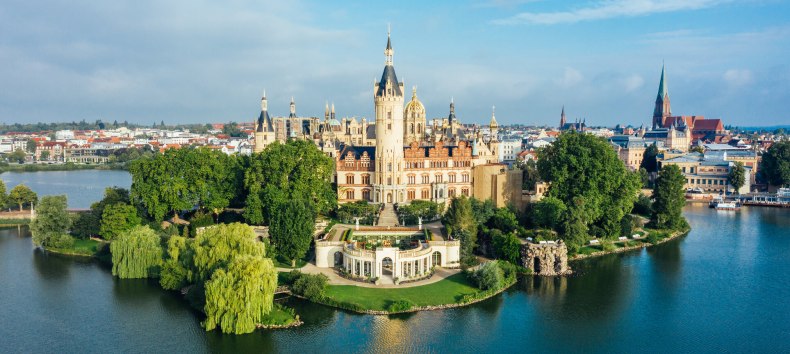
point(388, 51)
point(293, 108)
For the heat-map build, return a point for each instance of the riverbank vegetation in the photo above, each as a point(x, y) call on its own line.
point(68, 166)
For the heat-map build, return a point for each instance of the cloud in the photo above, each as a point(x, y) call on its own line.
point(632, 83)
point(737, 77)
point(570, 78)
point(607, 9)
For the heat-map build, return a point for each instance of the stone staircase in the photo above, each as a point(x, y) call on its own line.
point(387, 217)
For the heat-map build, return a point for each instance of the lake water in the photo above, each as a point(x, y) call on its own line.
point(82, 187)
point(723, 288)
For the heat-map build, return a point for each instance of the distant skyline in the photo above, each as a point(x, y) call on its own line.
point(203, 62)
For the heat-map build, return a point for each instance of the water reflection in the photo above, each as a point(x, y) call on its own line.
point(50, 266)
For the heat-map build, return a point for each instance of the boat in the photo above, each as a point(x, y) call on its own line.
point(715, 201)
point(728, 206)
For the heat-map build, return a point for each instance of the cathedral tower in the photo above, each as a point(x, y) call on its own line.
point(662, 110)
point(388, 99)
point(562, 117)
point(264, 130)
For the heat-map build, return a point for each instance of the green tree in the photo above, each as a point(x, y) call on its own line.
point(116, 219)
point(482, 210)
point(18, 155)
point(136, 253)
point(489, 276)
point(468, 245)
point(88, 224)
point(217, 245)
point(697, 149)
point(507, 246)
point(3, 195)
point(238, 298)
point(548, 212)
point(21, 195)
point(459, 216)
point(649, 159)
point(775, 167)
point(411, 213)
point(44, 156)
point(504, 220)
point(736, 176)
point(174, 272)
point(669, 199)
point(583, 165)
point(291, 229)
point(296, 170)
point(52, 220)
point(644, 177)
point(30, 146)
point(311, 286)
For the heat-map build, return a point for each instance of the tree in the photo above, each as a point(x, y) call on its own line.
point(482, 210)
point(116, 219)
point(291, 229)
point(51, 222)
point(736, 176)
point(44, 156)
point(468, 245)
point(669, 199)
point(649, 159)
point(507, 246)
point(548, 212)
point(88, 224)
point(30, 146)
point(459, 216)
point(136, 253)
point(697, 149)
point(22, 195)
point(217, 245)
point(411, 213)
point(775, 166)
point(644, 177)
point(238, 298)
point(3, 195)
point(296, 170)
point(18, 155)
point(504, 220)
point(489, 276)
point(583, 165)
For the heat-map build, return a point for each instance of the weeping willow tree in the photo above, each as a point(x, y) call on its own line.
point(216, 246)
point(238, 297)
point(136, 253)
point(177, 264)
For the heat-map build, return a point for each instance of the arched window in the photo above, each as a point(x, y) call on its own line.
point(349, 194)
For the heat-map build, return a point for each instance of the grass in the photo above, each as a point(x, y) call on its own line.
point(14, 221)
point(447, 291)
point(80, 247)
point(279, 316)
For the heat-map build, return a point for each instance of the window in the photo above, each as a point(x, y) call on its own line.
point(389, 181)
point(425, 194)
point(451, 192)
point(452, 178)
point(389, 167)
point(426, 179)
point(349, 194)
point(349, 179)
point(366, 194)
point(412, 179)
point(438, 178)
point(365, 179)
point(464, 177)
point(410, 194)
point(465, 192)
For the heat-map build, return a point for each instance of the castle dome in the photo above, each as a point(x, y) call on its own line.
point(414, 105)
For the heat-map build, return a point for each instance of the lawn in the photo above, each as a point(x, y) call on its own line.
point(279, 316)
point(280, 263)
point(80, 247)
point(447, 291)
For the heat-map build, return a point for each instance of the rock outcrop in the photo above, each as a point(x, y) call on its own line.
point(546, 259)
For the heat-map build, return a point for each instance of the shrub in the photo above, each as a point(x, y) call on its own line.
point(427, 210)
point(489, 276)
point(643, 206)
point(62, 241)
point(399, 306)
point(652, 238)
point(311, 286)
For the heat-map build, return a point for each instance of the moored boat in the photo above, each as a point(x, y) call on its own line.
point(728, 206)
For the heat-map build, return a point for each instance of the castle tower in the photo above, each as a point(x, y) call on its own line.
point(388, 100)
point(493, 125)
point(562, 117)
point(415, 119)
point(264, 130)
point(293, 108)
point(662, 109)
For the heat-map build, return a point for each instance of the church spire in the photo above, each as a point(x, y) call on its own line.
point(562, 117)
point(663, 108)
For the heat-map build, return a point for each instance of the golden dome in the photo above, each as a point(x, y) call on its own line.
point(415, 105)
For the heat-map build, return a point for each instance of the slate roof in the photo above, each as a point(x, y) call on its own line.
point(389, 75)
point(264, 121)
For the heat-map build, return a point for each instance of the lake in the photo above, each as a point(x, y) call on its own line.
point(723, 288)
point(83, 187)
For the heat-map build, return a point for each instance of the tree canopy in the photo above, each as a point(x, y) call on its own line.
point(669, 199)
point(296, 170)
point(116, 219)
point(217, 245)
point(52, 220)
point(237, 298)
point(736, 176)
point(649, 159)
point(3, 195)
point(181, 179)
point(88, 224)
point(291, 229)
point(21, 195)
point(587, 177)
point(775, 166)
point(136, 253)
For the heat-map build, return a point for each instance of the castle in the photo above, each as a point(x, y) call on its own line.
point(400, 157)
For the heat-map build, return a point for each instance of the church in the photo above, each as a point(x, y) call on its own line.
point(400, 157)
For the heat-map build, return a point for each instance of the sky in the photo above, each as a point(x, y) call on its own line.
point(199, 61)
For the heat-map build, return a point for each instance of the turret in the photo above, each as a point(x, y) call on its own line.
point(494, 126)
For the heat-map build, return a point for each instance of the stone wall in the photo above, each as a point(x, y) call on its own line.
point(547, 259)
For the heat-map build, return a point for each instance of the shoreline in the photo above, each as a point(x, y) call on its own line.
point(644, 244)
point(416, 308)
point(61, 167)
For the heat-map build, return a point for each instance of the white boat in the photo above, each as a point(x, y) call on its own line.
point(728, 206)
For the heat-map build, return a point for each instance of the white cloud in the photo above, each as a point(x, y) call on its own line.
point(738, 77)
point(632, 83)
point(570, 78)
point(606, 9)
